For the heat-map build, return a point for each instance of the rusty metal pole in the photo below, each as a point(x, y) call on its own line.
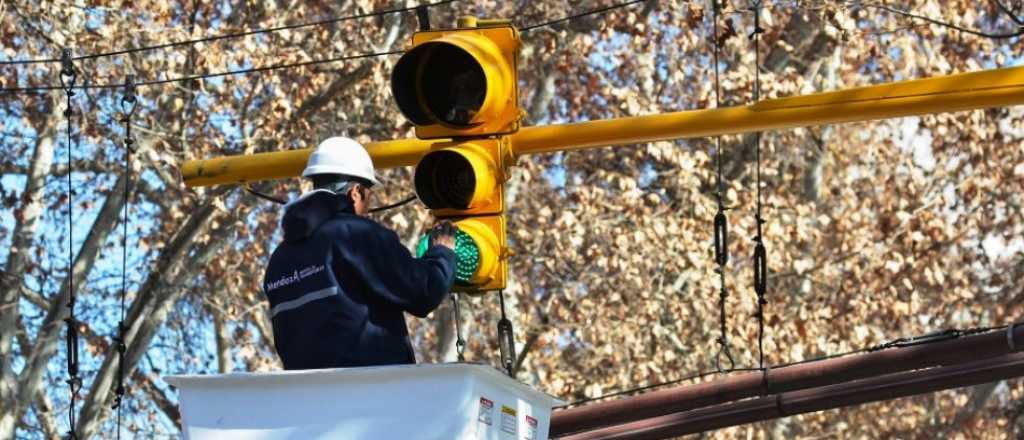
point(814, 399)
point(794, 377)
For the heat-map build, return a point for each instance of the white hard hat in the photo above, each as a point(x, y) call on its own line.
point(341, 155)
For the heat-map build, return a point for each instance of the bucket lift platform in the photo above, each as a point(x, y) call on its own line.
point(407, 402)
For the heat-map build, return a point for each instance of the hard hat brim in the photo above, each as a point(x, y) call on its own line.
point(328, 169)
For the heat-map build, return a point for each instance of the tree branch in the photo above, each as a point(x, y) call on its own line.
point(169, 408)
point(342, 82)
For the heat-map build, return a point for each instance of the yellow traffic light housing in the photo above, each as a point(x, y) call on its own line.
point(461, 179)
point(460, 82)
point(488, 233)
point(464, 182)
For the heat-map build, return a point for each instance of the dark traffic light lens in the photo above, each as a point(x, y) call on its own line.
point(445, 179)
point(439, 82)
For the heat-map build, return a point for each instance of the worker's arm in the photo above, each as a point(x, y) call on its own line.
point(389, 271)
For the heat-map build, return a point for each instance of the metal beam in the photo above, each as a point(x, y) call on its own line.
point(968, 91)
point(812, 400)
point(794, 377)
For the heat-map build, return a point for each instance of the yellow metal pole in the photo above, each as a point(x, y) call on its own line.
point(969, 91)
point(990, 88)
point(289, 163)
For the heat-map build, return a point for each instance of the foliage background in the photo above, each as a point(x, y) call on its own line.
point(874, 230)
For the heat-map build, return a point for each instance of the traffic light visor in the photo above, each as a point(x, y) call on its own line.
point(459, 82)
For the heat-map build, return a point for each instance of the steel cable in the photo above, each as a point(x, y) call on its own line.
point(233, 35)
point(760, 254)
point(68, 76)
point(721, 222)
point(128, 104)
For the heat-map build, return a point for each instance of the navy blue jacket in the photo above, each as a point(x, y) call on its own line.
point(339, 283)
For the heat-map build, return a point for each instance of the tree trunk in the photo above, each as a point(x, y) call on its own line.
point(26, 223)
point(49, 333)
point(223, 338)
point(180, 259)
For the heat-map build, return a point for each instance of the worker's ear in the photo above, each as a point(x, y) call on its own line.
point(356, 190)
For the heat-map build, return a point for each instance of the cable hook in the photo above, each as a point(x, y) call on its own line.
point(460, 344)
point(67, 70)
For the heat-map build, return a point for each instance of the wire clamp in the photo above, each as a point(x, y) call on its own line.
point(765, 383)
point(760, 271)
point(779, 407)
point(721, 237)
point(755, 7)
point(1010, 341)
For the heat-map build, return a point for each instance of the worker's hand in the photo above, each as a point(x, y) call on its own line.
point(443, 234)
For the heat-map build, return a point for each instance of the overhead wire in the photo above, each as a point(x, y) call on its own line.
point(581, 15)
point(233, 35)
point(213, 75)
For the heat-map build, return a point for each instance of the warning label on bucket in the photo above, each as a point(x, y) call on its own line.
point(531, 429)
point(486, 412)
point(508, 420)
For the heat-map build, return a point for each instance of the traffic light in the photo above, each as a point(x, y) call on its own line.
point(464, 182)
point(460, 82)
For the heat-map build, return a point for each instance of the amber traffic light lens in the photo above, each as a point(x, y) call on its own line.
point(445, 179)
point(439, 82)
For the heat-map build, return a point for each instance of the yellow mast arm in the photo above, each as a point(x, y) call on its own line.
point(968, 91)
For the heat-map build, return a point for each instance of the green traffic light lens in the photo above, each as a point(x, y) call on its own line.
point(467, 255)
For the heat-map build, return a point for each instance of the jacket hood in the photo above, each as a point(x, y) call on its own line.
point(304, 215)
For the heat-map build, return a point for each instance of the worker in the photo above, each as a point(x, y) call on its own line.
point(339, 282)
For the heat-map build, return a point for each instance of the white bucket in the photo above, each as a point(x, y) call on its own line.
point(426, 401)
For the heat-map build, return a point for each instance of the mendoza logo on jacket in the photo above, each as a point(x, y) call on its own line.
point(295, 277)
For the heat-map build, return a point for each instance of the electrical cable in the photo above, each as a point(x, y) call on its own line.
point(213, 75)
point(939, 336)
point(234, 34)
point(397, 204)
point(580, 15)
point(299, 64)
point(249, 189)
